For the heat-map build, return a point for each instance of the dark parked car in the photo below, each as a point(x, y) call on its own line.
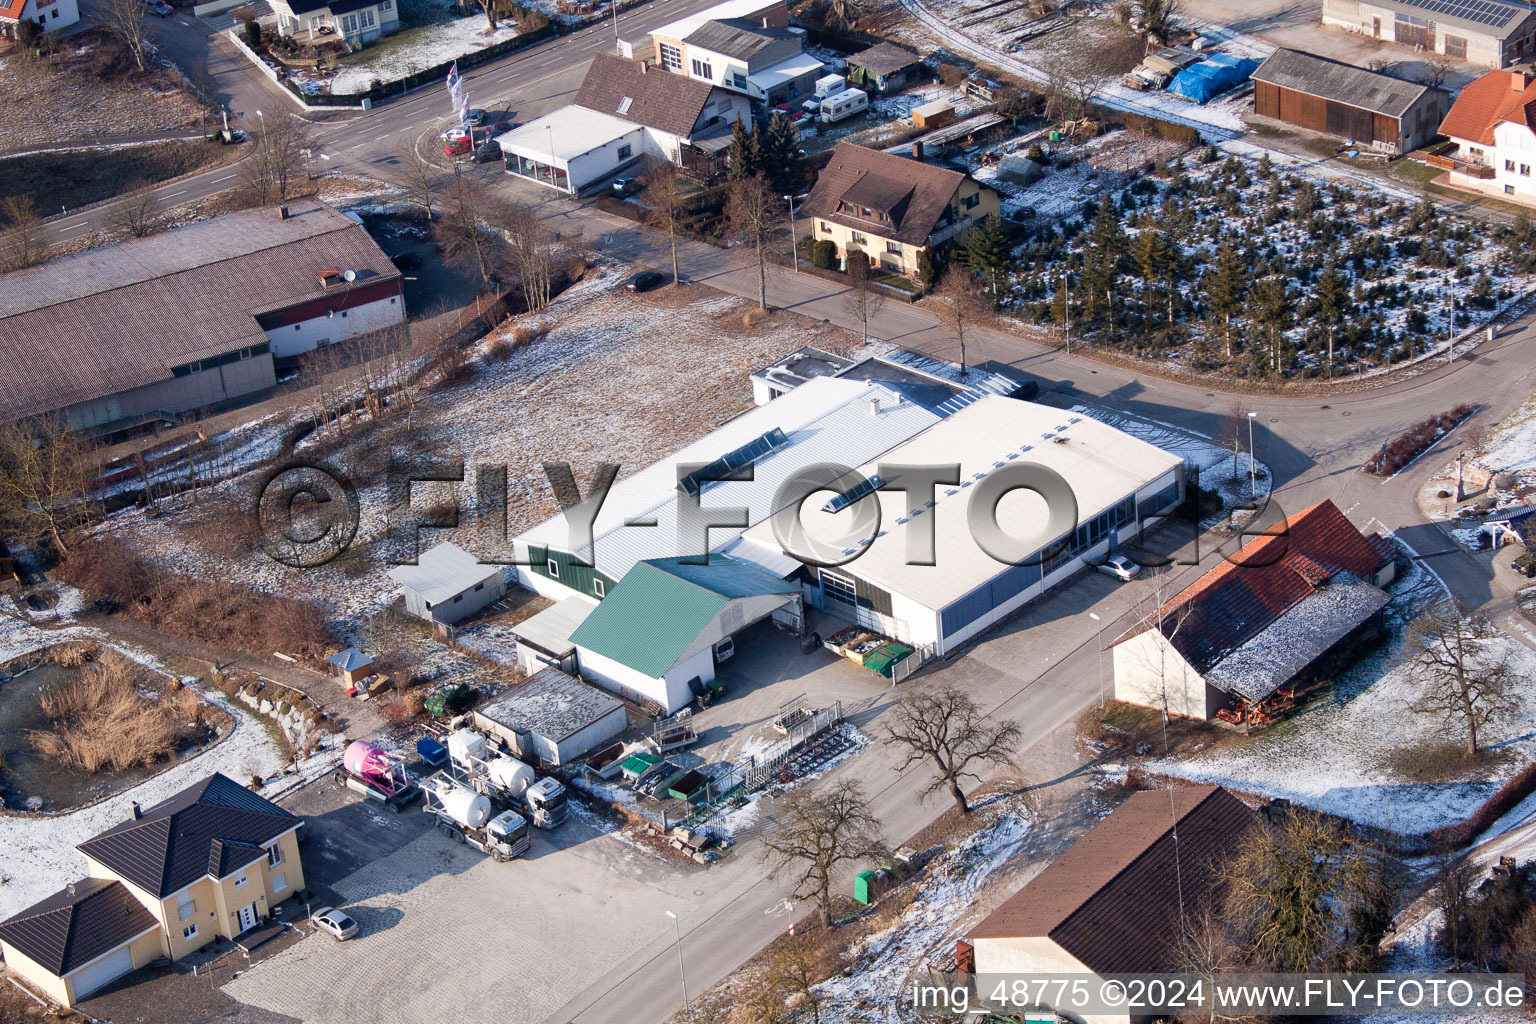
point(645, 281)
point(1525, 565)
point(487, 152)
point(624, 186)
point(476, 117)
point(158, 8)
point(503, 126)
point(405, 260)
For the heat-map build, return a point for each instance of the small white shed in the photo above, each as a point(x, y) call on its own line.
point(447, 584)
point(552, 718)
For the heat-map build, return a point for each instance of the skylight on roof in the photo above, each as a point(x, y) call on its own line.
point(624, 104)
point(862, 489)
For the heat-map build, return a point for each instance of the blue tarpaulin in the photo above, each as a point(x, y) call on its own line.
point(1212, 77)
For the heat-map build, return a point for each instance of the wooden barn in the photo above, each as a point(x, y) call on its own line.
point(1367, 108)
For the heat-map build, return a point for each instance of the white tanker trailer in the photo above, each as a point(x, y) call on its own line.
point(466, 816)
point(507, 780)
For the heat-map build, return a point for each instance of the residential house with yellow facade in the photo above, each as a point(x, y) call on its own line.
point(893, 208)
point(211, 861)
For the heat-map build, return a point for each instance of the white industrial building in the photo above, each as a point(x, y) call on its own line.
point(1493, 33)
point(1120, 485)
point(544, 638)
point(823, 420)
point(448, 584)
point(552, 717)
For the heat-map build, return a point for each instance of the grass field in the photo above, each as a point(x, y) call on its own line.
point(70, 179)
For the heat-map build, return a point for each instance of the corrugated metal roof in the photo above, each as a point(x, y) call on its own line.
point(736, 37)
point(442, 572)
point(350, 660)
point(785, 71)
point(725, 576)
point(682, 28)
point(1497, 19)
point(825, 420)
point(1102, 465)
point(550, 630)
point(173, 297)
point(77, 924)
point(884, 59)
point(648, 620)
point(550, 704)
point(1340, 82)
point(576, 130)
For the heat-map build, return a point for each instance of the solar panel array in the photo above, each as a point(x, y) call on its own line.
point(734, 460)
point(862, 489)
point(1483, 12)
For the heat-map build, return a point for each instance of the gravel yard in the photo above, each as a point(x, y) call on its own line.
point(70, 101)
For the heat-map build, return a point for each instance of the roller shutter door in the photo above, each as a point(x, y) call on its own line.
point(109, 968)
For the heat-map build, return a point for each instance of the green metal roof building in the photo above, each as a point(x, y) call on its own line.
point(660, 626)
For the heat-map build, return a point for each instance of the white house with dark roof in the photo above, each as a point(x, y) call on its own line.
point(766, 63)
point(625, 115)
point(211, 861)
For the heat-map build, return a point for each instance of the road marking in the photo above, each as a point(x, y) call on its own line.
point(225, 178)
point(325, 156)
point(173, 195)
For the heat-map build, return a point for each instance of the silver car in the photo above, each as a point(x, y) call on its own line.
point(334, 921)
point(1120, 567)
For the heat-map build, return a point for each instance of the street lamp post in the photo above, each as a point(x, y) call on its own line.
point(551, 129)
point(794, 255)
point(678, 926)
point(1253, 469)
point(1450, 332)
point(1099, 623)
point(1066, 309)
point(616, 24)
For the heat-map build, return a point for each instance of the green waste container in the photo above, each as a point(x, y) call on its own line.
point(862, 883)
point(1055, 136)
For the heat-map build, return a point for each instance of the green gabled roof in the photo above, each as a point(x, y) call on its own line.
point(661, 606)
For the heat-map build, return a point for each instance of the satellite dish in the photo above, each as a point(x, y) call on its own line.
point(349, 276)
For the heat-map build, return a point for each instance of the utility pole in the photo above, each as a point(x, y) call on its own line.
point(1100, 625)
point(794, 253)
point(678, 926)
point(1066, 309)
point(1450, 332)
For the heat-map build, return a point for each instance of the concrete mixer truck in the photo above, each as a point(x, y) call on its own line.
point(467, 817)
point(377, 774)
point(506, 780)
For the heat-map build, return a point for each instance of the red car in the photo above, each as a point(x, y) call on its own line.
point(458, 147)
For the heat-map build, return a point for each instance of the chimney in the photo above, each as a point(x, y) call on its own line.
point(874, 405)
point(136, 812)
point(71, 888)
point(917, 151)
point(282, 212)
point(645, 66)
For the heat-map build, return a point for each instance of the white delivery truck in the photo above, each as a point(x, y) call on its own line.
point(842, 105)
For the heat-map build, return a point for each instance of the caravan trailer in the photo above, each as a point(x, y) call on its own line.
point(843, 104)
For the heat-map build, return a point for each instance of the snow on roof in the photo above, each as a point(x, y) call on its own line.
point(824, 420)
point(1102, 465)
point(442, 572)
point(550, 704)
point(682, 28)
point(785, 71)
point(576, 131)
point(550, 630)
point(1296, 639)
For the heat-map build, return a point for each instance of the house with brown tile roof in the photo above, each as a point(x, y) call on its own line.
point(49, 15)
point(627, 115)
point(1114, 902)
point(1493, 126)
point(1287, 605)
point(893, 208)
point(210, 861)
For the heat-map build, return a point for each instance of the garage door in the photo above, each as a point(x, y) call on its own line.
point(114, 965)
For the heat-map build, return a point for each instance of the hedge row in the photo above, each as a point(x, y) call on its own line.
point(1411, 443)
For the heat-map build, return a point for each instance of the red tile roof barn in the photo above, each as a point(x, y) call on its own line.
point(1113, 900)
point(1263, 580)
point(1497, 96)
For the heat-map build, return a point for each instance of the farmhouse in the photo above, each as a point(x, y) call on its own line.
point(359, 22)
point(1493, 33)
point(1286, 606)
point(1493, 146)
point(660, 635)
point(1112, 487)
point(552, 718)
point(50, 15)
point(211, 861)
point(884, 68)
point(823, 420)
point(208, 307)
point(1114, 902)
point(1334, 98)
point(893, 209)
point(624, 114)
point(448, 584)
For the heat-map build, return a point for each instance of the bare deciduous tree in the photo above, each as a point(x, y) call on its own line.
point(964, 304)
point(277, 158)
point(819, 833)
point(419, 175)
point(1148, 652)
point(1306, 894)
point(137, 211)
point(532, 251)
point(844, 14)
point(45, 477)
point(948, 730)
point(1467, 677)
point(463, 231)
point(1232, 429)
point(125, 20)
point(21, 246)
point(666, 198)
point(1437, 68)
point(794, 971)
point(864, 299)
point(752, 206)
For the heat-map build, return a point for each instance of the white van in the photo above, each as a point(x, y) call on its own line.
point(844, 104)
